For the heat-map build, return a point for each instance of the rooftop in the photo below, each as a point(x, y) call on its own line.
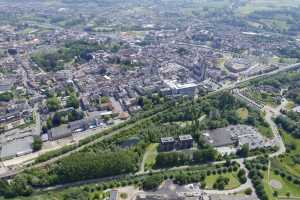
point(167, 139)
point(297, 109)
point(185, 137)
point(17, 147)
point(175, 85)
point(60, 132)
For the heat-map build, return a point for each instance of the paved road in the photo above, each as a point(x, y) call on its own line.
point(270, 114)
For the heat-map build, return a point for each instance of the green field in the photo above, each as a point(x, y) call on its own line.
point(151, 153)
point(286, 187)
point(287, 162)
point(260, 5)
point(233, 181)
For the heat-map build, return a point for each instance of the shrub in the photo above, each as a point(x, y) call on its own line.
point(248, 191)
point(152, 182)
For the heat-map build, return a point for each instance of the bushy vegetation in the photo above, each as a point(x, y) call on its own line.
point(73, 101)
point(256, 168)
point(6, 96)
point(170, 159)
point(290, 123)
point(221, 182)
point(152, 182)
point(37, 143)
point(54, 60)
point(186, 178)
point(64, 117)
point(95, 165)
point(287, 80)
point(53, 104)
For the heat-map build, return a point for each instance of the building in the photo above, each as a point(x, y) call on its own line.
point(17, 147)
point(113, 195)
point(297, 109)
point(59, 132)
point(167, 144)
point(177, 88)
point(199, 69)
point(185, 142)
point(84, 124)
point(10, 117)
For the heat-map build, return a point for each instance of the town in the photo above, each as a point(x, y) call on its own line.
point(177, 91)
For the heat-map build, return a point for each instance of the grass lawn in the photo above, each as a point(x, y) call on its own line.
point(266, 131)
point(290, 105)
point(243, 113)
point(151, 153)
point(282, 192)
point(286, 162)
point(233, 181)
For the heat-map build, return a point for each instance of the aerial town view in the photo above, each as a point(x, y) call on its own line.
point(150, 99)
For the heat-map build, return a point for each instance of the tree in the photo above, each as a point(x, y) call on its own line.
point(104, 99)
point(5, 189)
point(248, 191)
point(56, 120)
point(205, 155)
point(243, 151)
point(53, 104)
point(37, 143)
point(221, 182)
point(6, 96)
point(75, 194)
point(228, 162)
point(152, 182)
point(73, 101)
point(87, 165)
point(241, 173)
point(20, 186)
